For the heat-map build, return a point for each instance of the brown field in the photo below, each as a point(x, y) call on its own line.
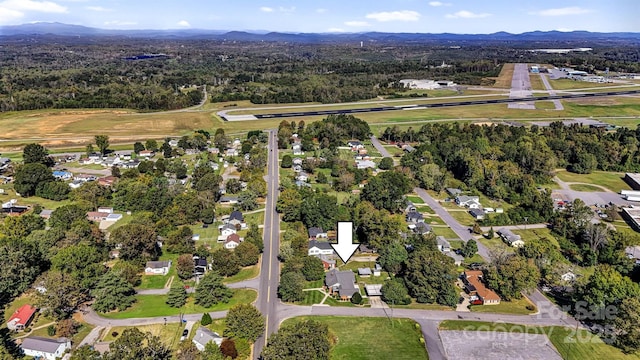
point(504, 79)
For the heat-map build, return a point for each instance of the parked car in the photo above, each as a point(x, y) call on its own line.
point(185, 333)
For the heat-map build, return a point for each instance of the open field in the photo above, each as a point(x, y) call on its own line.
point(311, 297)
point(536, 82)
point(610, 180)
point(32, 200)
point(585, 187)
point(571, 344)
point(360, 338)
point(569, 84)
point(245, 273)
point(536, 234)
point(445, 231)
point(506, 75)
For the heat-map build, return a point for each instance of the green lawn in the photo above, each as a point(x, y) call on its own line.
point(585, 187)
point(516, 307)
point(9, 193)
point(570, 344)
point(420, 306)
point(610, 180)
point(536, 234)
point(246, 273)
point(360, 338)
point(463, 217)
point(446, 232)
point(425, 209)
point(314, 284)
point(433, 220)
point(311, 297)
point(496, 244)
point(333, 302)
point(415, 199)
point(159, 281)
point(154, 305)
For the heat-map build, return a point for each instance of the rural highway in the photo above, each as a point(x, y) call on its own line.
point(270, 269)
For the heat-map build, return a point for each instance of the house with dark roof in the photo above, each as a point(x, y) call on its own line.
point(45, 348)
point(228, 200)
point(21, 318)
point(236, 215)
point(232, 241)
point(422, 228)
point(510, 238)
point(317, 233)
point(443, 244)
point(157, 267)
point(477, 214)
point(480, 294)
point(414, 217)
point(203, 336)
point(200, 265)
point(317, 248)
point(472, 202)
point(341, 283)
point(454, 192)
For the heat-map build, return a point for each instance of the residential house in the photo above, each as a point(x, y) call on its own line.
point(200, 265)
point(454, 192)
point(232, 152)
point(113, 217)
point(318, 248)
point(228, 200)
point(365, 164)
point(414, 217)
point(46, 214)
point(297, 168)
point(477, 214)
point(297, 149)
point(204, 336)
point(364, 249)
point(76, 184)
point(373, 290)
point(569, 276)
point(132, 164)
point(410, 207)
point(302, 176)
point(107, 181)
point(236, 218)
point(21, 318)
point(232, 241)
point(408, 148)
point(633, 252)
point(226, 230)
point(4, 163)
point(421, 228)
point(510, 238)
point(341, 283)
point(173, 143)
point(147, 154)
point(472, 202)
point(377, 270)
point(317, 233)
point(62, 175)
point(157, 267)
point(108, 210)
point(302, 184)
point(327, 262)
point(480, 294)
point(297, 161)
point(364, 272)
point(214, 150)
point(85, 177)
point(97, 216)
point(443, 244)
point(355, 145)
point(45, 348)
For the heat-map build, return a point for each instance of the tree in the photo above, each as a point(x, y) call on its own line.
point(225, 262)
point(138, 242)
point(312, 268)
point(128, 271)
point(151, 145)
point(228, 348)
point(491, 234)
point(510, 275)
point(206, 319)
point(212, 352)
point(356, 298)
point(247, 254)
point(321, 178)
point(254, 236)
point(394, 292)
point(61, 294)
point(393, 256)
point(132, 344)
point(626, 327)
point(64, 216)
point(185, 266)
point(429, 275)
point(137, 147)
point(82, 261)
point(470, 248)
point(177, 296)
point(85, 352)
point(19, 227)
point(102, 142)
point(36, 154)
point(248, 200)
point(287, 161)
point(67, 328)
point(112, 292)
point(211, 290)
point(386, 191)
point(291, 286)
point(244, 321)
point(476, 228)
point(386, 163)
point(233, 186)
point(29, 176)
point(307, 339)
point(21, 264)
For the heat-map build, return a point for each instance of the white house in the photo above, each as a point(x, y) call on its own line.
point(365, 164)
point(232, 241)
point(302, 176)
point(227, 229)
point(510, 238)
point(157, 267)
point(297, 149)
point(204, 336)
point(45, 348)
point(472, 202)
point(443, 244)
point(317, 248)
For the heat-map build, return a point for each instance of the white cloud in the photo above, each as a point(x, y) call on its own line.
point(184, 23)
point(402, 15)
point(14, 6)
point(357, 23)
point(287, 10)
point(98, 8)
point(266, 9)
point(8, 16)
point(335, 30)
point(120, 23)
point(464, 14)
point(321, 11)
point(438, 3)
point(571, 10)
point(564, 30)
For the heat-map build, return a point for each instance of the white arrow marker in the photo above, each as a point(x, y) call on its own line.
point(345, 246)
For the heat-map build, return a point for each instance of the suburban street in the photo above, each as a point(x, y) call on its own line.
point(270, 269)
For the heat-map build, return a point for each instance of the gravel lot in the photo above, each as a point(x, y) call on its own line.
point(466, 345)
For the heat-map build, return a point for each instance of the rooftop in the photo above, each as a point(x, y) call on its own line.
point(43, 344)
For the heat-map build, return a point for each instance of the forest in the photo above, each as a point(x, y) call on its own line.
point(112, 72)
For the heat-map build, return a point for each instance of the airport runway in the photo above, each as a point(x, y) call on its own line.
point(439, 105)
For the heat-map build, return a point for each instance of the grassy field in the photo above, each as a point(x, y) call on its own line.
point(571, 344)
point(311, 297)
point(159, 281)
point(536, 83)
point(246, 273)
point(610, 180)
point(569, 84)
point(515, 307)
point(446, 232)
point(359, 338)
point(463, 217)
point(154, 305)
point(585, 187)
point(506, 75)
point(420, 306)
point(536, 234)
point(169, 334)
point(496, 244)
point(9, 193)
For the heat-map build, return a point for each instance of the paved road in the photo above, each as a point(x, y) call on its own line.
point(381, 149)
point(547, 85)
point(270, 268)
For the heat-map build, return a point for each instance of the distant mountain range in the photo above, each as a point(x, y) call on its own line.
point(535, 36)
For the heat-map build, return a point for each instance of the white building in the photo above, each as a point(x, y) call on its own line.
point(45, 348)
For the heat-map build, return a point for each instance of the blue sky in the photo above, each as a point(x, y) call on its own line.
point(425, 16)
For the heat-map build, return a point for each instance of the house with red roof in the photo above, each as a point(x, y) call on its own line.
point(21, 318)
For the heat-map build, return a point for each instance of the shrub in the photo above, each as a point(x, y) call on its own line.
point(228, 348)
point(51, 330)
point(206, 319)
point(356, 298)
point(114, 334)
